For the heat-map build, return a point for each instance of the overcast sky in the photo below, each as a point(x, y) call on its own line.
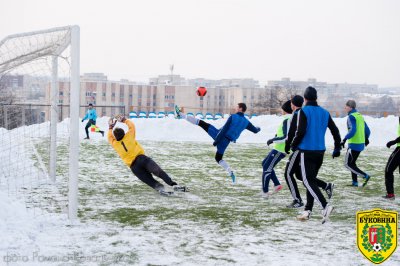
point(355, 41)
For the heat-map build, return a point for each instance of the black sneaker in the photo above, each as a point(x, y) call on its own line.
point(181, 189)
point(173, 183)
point(102, 133)
point(295, 204)
point(389, 197)
point(329, 190)
point(87, 138)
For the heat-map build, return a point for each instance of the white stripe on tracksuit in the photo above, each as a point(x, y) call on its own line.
point(289, 179)
point(346, 163)
point(305, 181)
point(268, 172)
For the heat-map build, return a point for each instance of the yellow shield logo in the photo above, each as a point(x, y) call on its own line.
point(377, 234)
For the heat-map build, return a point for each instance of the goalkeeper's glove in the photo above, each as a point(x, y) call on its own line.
point(120, 118)
point(111, 123)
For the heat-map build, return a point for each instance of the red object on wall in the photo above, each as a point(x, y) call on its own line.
point(201, 91)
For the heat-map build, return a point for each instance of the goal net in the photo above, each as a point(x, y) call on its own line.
point(39, 143)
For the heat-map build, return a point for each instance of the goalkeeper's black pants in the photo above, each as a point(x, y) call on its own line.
point(392, 164)
point(144, 168)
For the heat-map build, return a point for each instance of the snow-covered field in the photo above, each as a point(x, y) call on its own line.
point(122, 221)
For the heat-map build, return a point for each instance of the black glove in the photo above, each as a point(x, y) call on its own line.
point(390, 143)
point(335, 153)
point(258, 129)
point(269, 142)
point(342, 143)
point(287, 148)
point(83, 120)
point(215, 143)
point(366, 142)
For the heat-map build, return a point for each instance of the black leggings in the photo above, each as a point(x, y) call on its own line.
point(143, 167)
point(392, 164)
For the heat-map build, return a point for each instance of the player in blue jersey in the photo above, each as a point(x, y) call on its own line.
point(230, 132)
point(309, 140)
point(92, 116)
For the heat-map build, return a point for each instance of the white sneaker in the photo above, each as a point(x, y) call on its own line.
point(326, 212)
point(264, 195)
point(304, 216)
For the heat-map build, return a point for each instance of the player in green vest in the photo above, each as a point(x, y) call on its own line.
point(392, 164)
point(357, 138)
point(277, 153)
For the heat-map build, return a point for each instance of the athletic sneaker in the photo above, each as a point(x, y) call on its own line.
point(277, 188)
point(102, 133)
point(233, 178)
point(87, 138)
point(389, 197)
point(326, 212)
point(264, 195)
point(165, 193)
point(329, 190)
point(181, 188)
point(304, 216)
point(354, 184)
point(366, 179)
point(295, 204)
point(177, 111)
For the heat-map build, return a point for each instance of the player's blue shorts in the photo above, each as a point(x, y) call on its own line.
point(223, 144)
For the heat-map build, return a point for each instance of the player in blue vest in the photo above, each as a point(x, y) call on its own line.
point(357, 137)
point(293, 164)
point(92, 116)
point(277, 153)
point(392, 164)
point(313, 121)
point(230, 132)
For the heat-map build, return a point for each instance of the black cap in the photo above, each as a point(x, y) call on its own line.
point(297, 101)
point(286, 107)
point(310, 94)
point(90, 104)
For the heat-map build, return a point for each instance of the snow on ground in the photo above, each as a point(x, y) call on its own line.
point(383, 129)
point(122, 222)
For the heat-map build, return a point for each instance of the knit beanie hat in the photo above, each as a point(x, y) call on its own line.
point(310, 93)
point(297, 101)
point(286, 107)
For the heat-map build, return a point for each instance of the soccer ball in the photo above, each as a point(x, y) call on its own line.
point(377, 247)
point(201, 91)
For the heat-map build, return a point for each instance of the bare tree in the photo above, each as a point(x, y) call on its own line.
point(271, 99)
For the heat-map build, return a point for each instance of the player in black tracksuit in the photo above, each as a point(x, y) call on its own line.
point(293, 165)
point(310, 141)
point(392, 164)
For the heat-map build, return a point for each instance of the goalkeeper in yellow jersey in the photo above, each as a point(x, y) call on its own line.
point(132, 153)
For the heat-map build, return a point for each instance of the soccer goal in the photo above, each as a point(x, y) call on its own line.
point(39, 75)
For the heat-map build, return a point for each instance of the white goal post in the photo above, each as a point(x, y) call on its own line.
point(46, 47)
